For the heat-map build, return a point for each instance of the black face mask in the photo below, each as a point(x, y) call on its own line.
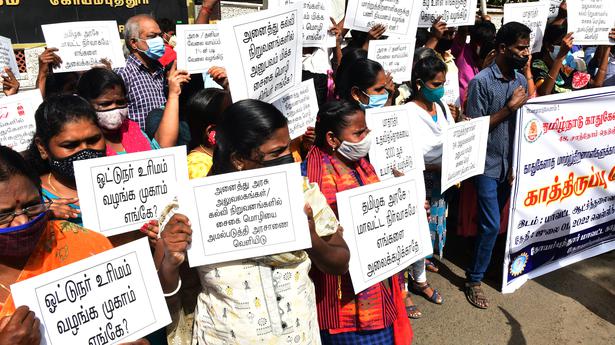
point(64, 166)
point(444, 44)
point(517, 62)
point(286, 159)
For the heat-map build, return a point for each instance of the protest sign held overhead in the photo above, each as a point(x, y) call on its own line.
point(246, 214)
point(82, 45)
point(120, 193)
point(399, 17)
point(591, 21)
point(394, 141)
point(553, 8)
point(452, 12)
point(395, 56)
point(300, 106)
point(316, 21)
point(385, 227)
point(534, 15)
point(563, 197)
point(264, 50)
point(110, 298)
point(7, 57)
point(17, 124)
point(198, 48)
point(464, 149)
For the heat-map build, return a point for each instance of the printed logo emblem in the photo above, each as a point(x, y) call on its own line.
point(532, 131)
point(518, 264)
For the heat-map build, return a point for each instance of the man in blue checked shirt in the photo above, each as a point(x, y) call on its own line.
point(498, 91)
point(144, 75)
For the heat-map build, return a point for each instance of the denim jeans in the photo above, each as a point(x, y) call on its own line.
point(492, 195)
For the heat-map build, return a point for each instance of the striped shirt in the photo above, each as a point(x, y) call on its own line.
point(488, 93)
point(145, 89)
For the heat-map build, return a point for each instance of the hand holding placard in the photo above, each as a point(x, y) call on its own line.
point(109, 298)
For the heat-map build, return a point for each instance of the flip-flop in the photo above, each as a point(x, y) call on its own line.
point(430, 266)
point(435, 297)
point(413, 312)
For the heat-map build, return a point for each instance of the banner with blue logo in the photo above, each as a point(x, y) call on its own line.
point(563, 196)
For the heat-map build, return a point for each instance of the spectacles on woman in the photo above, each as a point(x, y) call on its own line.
point(30, 211)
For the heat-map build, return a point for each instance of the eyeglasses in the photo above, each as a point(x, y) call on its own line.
point(31, 212)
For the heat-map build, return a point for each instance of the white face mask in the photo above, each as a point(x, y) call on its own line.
point(355, 151)
point(112, 119)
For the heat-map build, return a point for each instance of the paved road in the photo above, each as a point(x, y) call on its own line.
point(573, 305)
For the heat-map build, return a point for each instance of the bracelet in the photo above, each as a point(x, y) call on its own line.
point(179, 285)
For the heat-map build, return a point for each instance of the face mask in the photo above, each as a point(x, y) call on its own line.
point(64, 167)
point(156, 48)
point(444, 45)
point(555, 52)
point(286, 159)
point(19, 241)
point(518, 62)
point(375, 101)
point(112, 119)
point(432, 95)
point(355, 151)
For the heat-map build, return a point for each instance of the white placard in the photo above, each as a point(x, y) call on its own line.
point(316, 21)
point(453, 13)
point(17, 123)
point(394, 141)
point(198, 47)
point(263, 51)
point(399, 17)
point(246, 214)
point(110, 298)
point(395, 56)
point(7, 57)
point(451, 90)
point(385, 227)
point(464, 150)
point(82, 45)
point(591, 21)
point(554, 8)
point(300, 106)
point(120, 193)
point(532, 14)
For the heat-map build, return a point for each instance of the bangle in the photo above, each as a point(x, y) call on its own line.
point(179, 285)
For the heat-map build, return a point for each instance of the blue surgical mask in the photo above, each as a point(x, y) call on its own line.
point(156, 48)
point(375, 101)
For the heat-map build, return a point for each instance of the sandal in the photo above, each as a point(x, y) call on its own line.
point(420, 289)
point(476, 295)
point(412, 311)
point(430, 266)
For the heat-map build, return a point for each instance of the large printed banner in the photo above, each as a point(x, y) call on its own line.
point(262, 52)
point(591, 21)
point(399, 17)
point(110, 298)
point(563, 197)
point(246, 214)
point(453, 12)
point(385, 227)
point(120, 193)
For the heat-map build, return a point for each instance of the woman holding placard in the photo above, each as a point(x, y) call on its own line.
point(337, 162)
point(364, 81)
point(31, 243)
point(66, 131)
point(260, 300)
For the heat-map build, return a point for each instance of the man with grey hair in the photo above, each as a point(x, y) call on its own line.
point(143, 75)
